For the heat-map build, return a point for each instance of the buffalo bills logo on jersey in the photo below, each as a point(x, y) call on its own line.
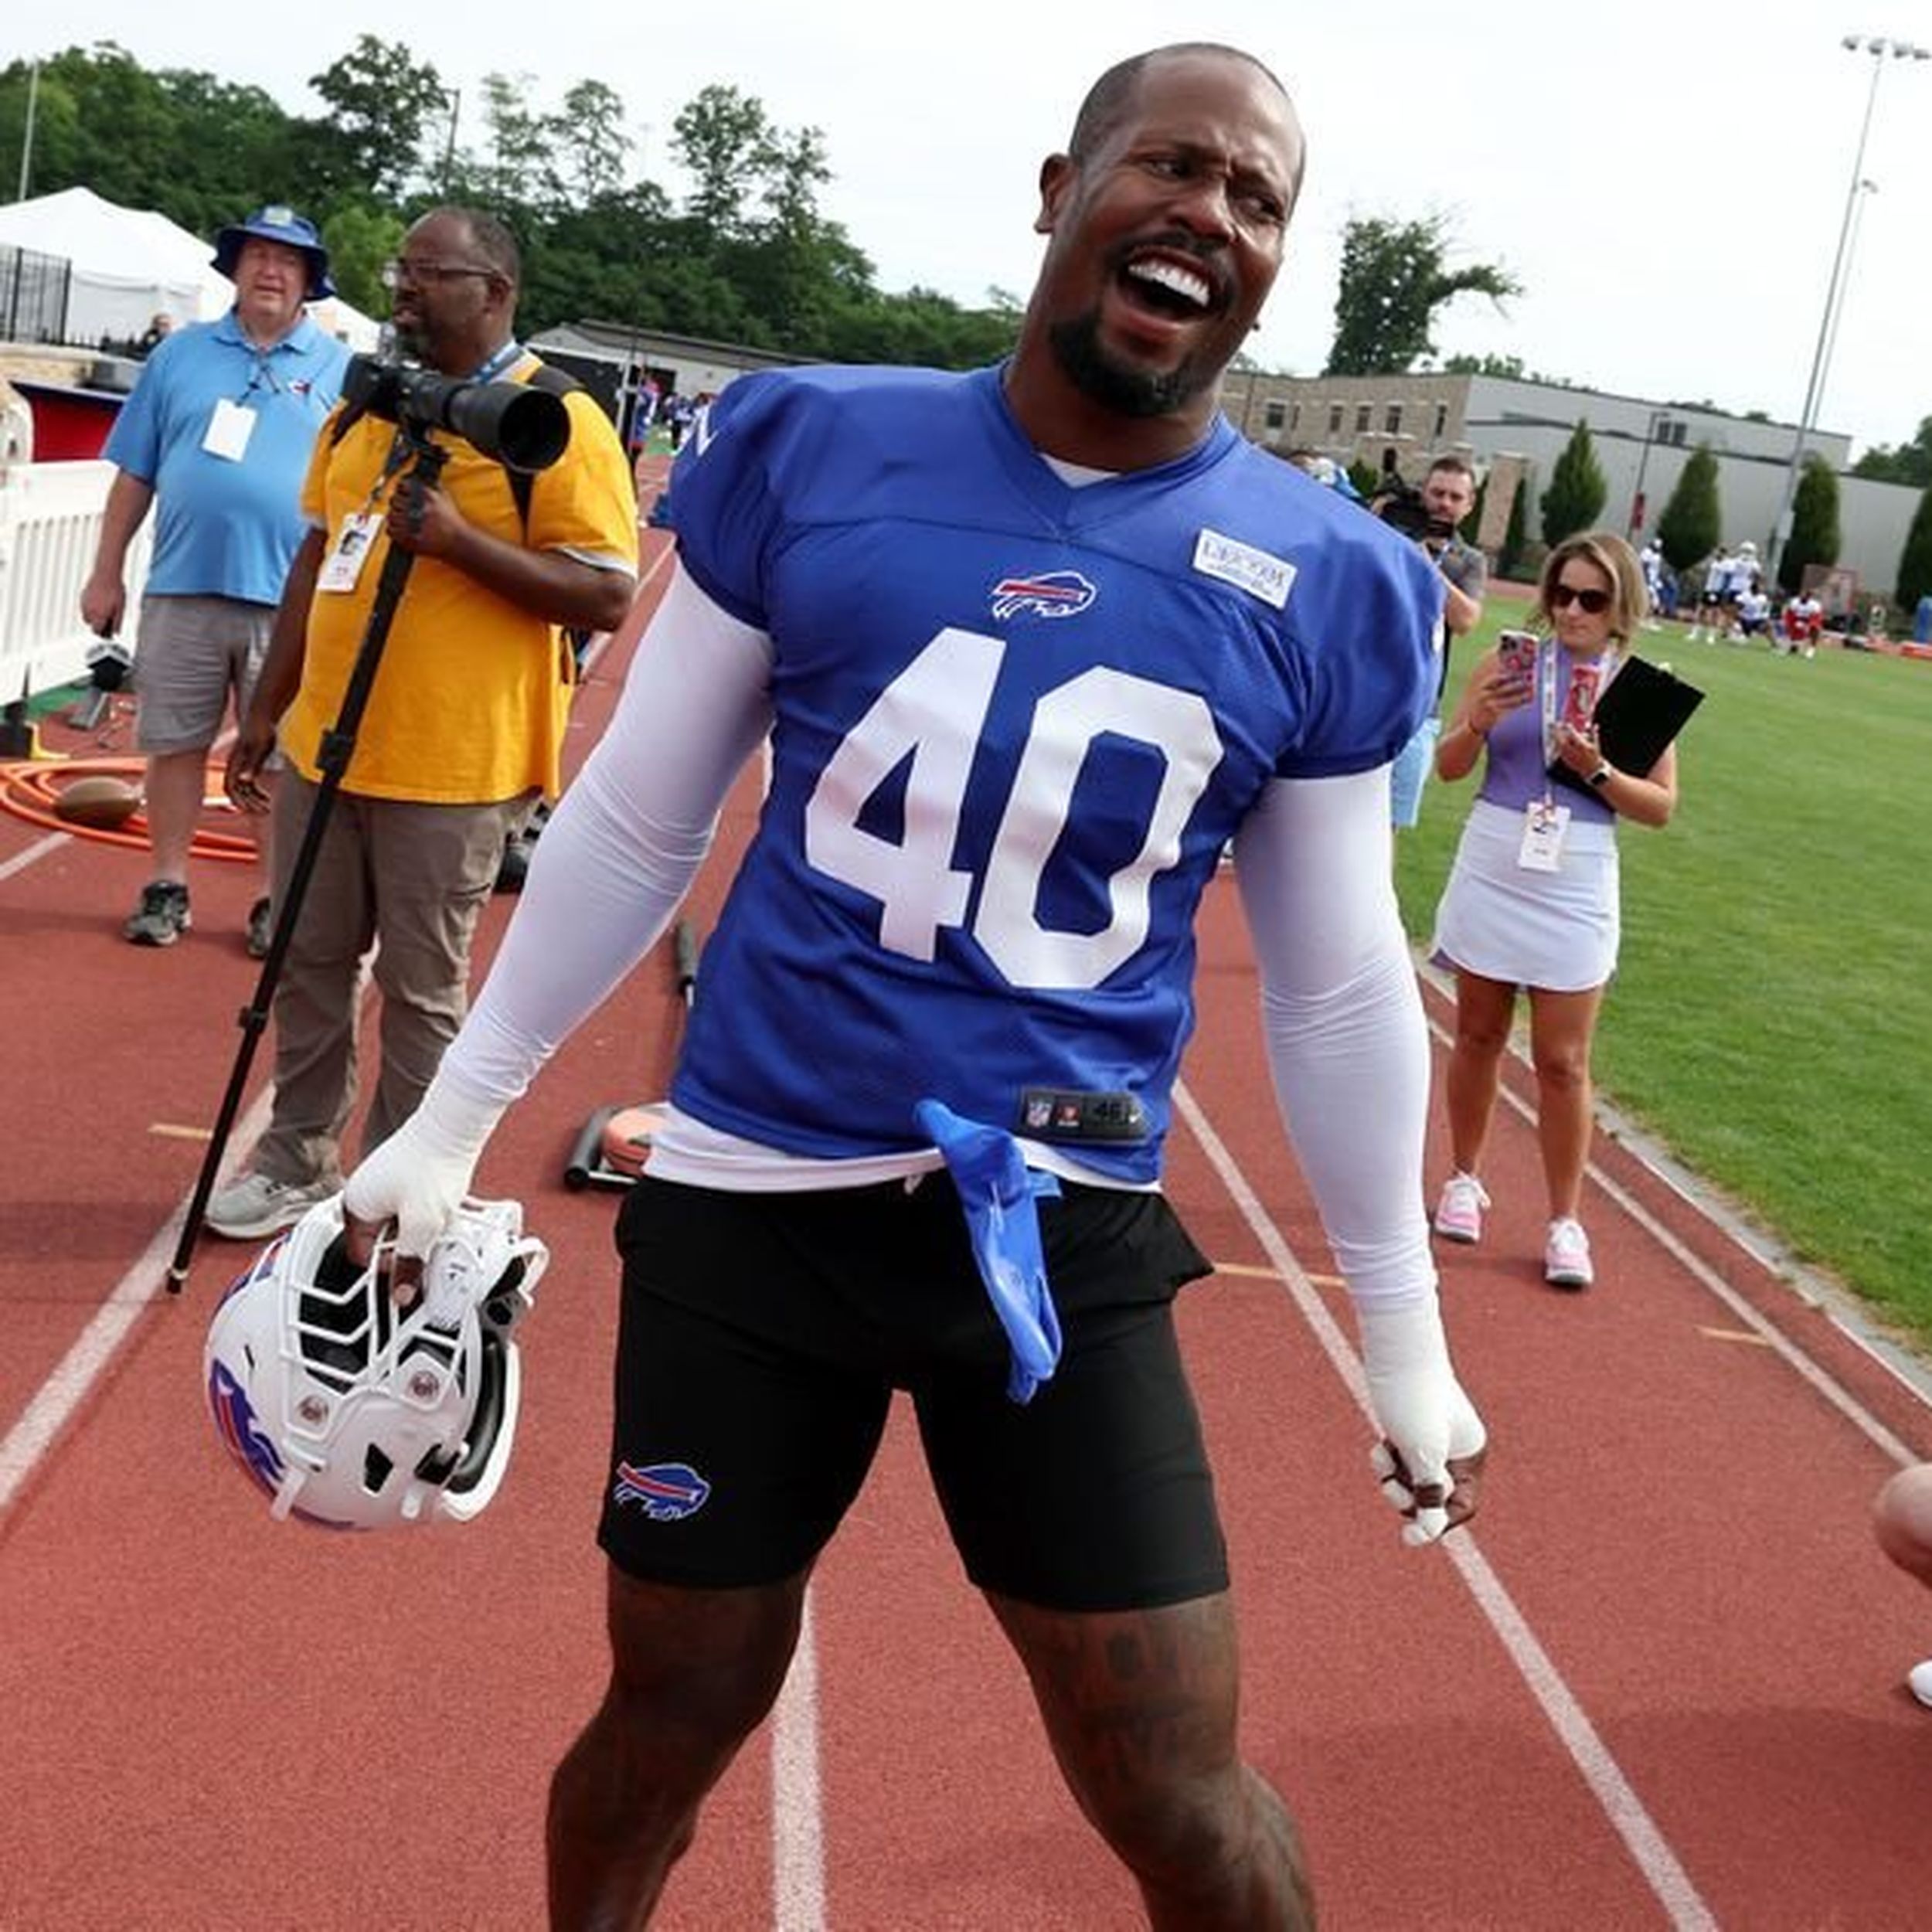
point(1055, 594)
point(666, 1491)
point(236, 1424)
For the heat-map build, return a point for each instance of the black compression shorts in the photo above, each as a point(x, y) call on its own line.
point(762, 1336)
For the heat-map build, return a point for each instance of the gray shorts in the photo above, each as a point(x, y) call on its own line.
point(190, 653)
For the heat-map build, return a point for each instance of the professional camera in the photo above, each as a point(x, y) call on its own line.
point(1401, 508)
point(523, 428)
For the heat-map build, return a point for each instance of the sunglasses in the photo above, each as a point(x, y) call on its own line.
point(1593, 602)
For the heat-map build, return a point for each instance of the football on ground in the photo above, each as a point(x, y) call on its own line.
point(98, 802)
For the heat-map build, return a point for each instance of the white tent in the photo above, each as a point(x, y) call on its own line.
point(130, 263)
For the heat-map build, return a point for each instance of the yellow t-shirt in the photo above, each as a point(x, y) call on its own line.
point(472, 692)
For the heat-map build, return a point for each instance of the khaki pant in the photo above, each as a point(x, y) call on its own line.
point(411, 879)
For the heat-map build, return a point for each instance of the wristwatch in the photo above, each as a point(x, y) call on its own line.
point(1602, 776)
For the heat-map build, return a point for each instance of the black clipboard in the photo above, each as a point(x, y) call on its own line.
point(1638, 713)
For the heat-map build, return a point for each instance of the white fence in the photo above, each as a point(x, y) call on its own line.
point(49, 525)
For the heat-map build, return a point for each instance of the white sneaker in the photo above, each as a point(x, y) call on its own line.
point(256, 1204)
point(1919, 1681)
point(1459, 1212)
point(1567, 1256)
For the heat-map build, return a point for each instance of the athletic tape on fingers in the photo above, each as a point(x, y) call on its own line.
point(1424, 1524)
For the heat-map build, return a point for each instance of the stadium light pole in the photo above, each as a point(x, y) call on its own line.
point(1865, 188)
point(1878, 46)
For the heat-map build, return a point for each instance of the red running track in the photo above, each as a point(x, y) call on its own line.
point(1658, 1685)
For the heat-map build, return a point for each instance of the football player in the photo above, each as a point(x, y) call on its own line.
point(1032, 644)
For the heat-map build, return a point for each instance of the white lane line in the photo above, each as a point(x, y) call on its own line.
point(1652, 1852)
point(62, 1394)
point(33, 854)
point(54, 1403)
point(798, 1819)
point(1819, 1379)
point(601, 642)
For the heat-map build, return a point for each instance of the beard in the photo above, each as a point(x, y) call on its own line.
point(1118, 385)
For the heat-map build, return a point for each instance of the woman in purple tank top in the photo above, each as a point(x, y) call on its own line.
point(1533, 900)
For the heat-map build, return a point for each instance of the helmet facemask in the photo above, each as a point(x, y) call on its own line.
point(355, 1413)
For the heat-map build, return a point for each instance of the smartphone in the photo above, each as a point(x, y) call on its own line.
point(1516, 653)
point(1579, 702)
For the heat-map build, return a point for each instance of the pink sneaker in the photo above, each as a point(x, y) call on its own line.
point(1459, 1212)
point(1567, 1256)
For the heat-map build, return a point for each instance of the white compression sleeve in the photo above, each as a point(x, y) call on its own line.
point(622, 848)
point(1348, 1049)
point(1346, 1040)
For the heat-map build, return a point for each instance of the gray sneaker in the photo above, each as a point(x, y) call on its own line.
point(258, 1204)
point(162, 916)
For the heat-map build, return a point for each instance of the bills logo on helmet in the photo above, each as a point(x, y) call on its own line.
point(235, 1422)
point(667, 1491)
point(1055, 594)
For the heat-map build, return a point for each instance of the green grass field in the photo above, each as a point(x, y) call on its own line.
point(1771, 1019)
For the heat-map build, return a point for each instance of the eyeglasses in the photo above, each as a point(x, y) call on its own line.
point(393, 274)
point(1593, 602)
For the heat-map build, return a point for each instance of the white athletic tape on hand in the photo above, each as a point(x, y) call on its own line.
point(1424, 1525)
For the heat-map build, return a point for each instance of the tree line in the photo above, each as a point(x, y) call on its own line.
point(1691, 525)
point(747, 256)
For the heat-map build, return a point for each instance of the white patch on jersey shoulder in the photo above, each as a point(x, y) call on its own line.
point(1269, 578)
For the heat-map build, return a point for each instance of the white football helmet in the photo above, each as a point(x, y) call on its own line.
point(352, 1414)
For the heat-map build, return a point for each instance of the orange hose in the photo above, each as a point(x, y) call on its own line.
point(30, 787)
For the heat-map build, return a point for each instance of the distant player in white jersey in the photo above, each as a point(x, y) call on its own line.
point(1031, 646)
point(1708, 617)
point(1651, 559)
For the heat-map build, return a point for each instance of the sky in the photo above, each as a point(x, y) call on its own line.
point(1669, 183)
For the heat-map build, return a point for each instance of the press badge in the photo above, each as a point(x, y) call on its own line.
point(344, 563)
point(229, 430)
point(1544, 825)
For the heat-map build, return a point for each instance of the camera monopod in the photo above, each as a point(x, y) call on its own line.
point(331, 759)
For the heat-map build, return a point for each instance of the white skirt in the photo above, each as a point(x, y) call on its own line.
point(1558, 931)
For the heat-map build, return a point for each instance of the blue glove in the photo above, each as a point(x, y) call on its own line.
point(999, 1191)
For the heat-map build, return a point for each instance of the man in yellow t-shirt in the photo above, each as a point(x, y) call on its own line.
point(464, 724)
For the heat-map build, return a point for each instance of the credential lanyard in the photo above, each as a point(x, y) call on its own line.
point(506, 357)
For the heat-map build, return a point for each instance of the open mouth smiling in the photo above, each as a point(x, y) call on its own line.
point(1169, 287)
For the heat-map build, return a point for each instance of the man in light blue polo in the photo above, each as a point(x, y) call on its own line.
point(218, 431)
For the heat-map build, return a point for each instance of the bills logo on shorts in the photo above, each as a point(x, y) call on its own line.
point(666, 1491)
point(1057, 593)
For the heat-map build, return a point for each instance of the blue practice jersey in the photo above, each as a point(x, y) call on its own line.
point(1015, 724)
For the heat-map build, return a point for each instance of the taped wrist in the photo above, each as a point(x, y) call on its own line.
point(418, 1176)
point(1405, 1356)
